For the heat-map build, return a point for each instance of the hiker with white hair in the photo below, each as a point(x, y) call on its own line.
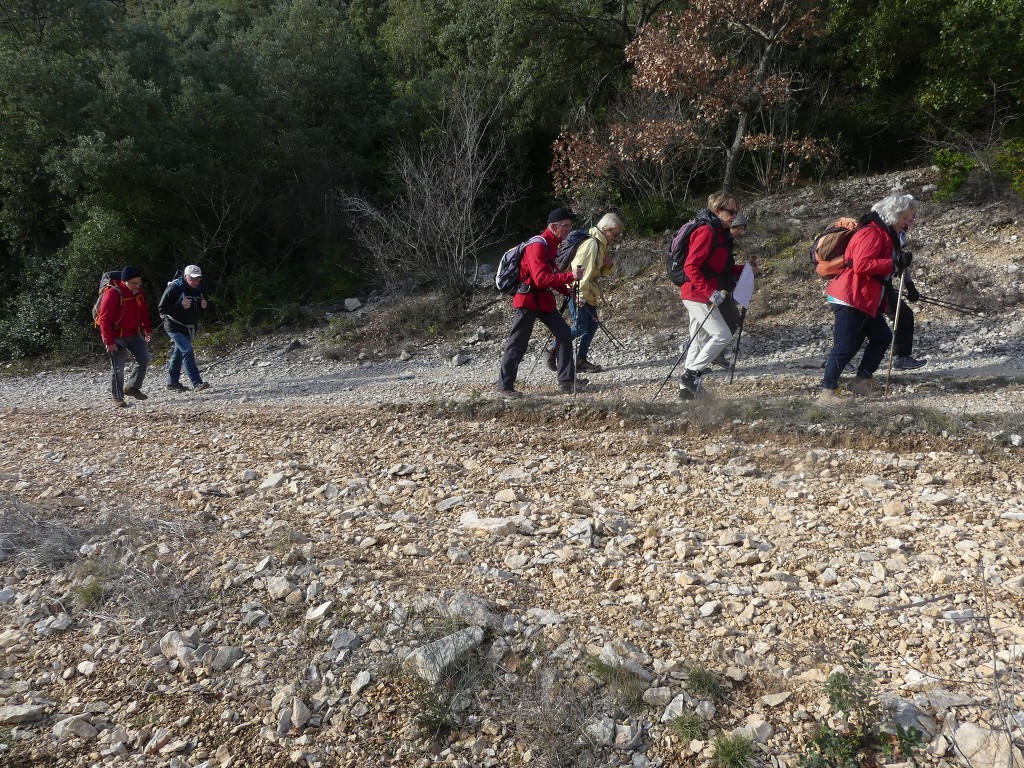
point(857, 294)
point(595, 261)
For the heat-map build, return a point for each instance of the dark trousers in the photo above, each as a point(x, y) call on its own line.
point(851, 328)
point(519, 339)
point(903, 341)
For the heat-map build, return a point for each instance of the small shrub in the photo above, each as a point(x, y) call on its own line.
point(1010, 164)
point(705, 682)
point(955, 167)
point(688, 726)
point(862, 732)
point(732, 751)
point(625, 685)
point(435, 717)
point(89, 593)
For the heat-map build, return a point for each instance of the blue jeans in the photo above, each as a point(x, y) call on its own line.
point(182, 353)
point(137, 346)
point(852, 327)
point(584, 326)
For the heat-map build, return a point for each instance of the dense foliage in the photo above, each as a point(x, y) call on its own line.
point(238, 133)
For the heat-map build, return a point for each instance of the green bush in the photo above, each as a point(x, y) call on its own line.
point(956, 167)
point(653, 216)
point(863, 733)
point(1010, 164)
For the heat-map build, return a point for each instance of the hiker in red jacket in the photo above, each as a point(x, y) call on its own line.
point(534, 302)
point(711, 273)
point(125, 327)
point(857, 294)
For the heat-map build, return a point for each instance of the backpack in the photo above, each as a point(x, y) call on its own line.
point(828, 251)
point(678, 250)
point(506, 279)
point(107, 281)
point(567, 248)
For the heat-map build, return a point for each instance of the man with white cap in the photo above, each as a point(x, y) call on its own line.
point(179, 307)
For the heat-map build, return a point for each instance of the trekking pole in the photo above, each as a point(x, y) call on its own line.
point(575, 332)
point(964, 310)
point(736, 351)
point(681, 356)
point(618, 344)
point(536, 357)
point(895, 325)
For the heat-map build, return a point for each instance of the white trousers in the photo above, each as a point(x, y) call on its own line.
point(709, 332)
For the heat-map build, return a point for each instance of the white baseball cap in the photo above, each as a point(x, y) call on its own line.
point(193, 271)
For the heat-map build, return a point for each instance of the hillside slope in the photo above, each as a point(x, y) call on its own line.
point(323, 562)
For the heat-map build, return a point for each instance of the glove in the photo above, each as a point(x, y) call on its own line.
point(912, 293)
point(718, 297)
point(902, 260)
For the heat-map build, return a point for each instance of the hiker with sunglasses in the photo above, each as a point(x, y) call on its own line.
point(711, 273)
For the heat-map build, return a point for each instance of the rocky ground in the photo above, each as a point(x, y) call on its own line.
point(364, 557)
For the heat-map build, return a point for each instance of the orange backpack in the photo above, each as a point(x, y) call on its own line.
point(828, 252)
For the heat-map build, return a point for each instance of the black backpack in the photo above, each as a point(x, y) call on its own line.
point(678, 249)
point(567, 248)
point(506, 279)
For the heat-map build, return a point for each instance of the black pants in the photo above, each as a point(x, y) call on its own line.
point(903, 337)
point(519, 339)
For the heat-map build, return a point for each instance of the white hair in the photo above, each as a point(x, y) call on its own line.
point(610, 221)
point(890, 208)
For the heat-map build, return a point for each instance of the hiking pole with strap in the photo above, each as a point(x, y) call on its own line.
point(681, 355)
point(964, 310)
point(736, 351)
point(895, 325)
point(615, 342)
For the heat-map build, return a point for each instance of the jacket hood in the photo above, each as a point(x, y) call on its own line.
point(873, 218)
point(707, 217)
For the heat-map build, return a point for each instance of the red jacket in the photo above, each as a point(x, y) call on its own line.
point(870, 253)
point(708, 259)
point(537, 270)
point(122, 314)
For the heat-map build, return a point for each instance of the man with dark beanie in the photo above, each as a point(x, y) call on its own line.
point(125, 327)
point(534, 301)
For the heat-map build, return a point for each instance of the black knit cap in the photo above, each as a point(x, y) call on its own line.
point(127, 273)
point(560, 214)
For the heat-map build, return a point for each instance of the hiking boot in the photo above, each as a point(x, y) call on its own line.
point(722, 361)
point(861, 386)
point(553, 359)
point(200, 387)
point(690, 386)
point(509, 394)
point(568, 387)
point(907, 363)
point(177, 387)
point(138, 394)
point(586, 366)
point(829, 396)
point(119, 403)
